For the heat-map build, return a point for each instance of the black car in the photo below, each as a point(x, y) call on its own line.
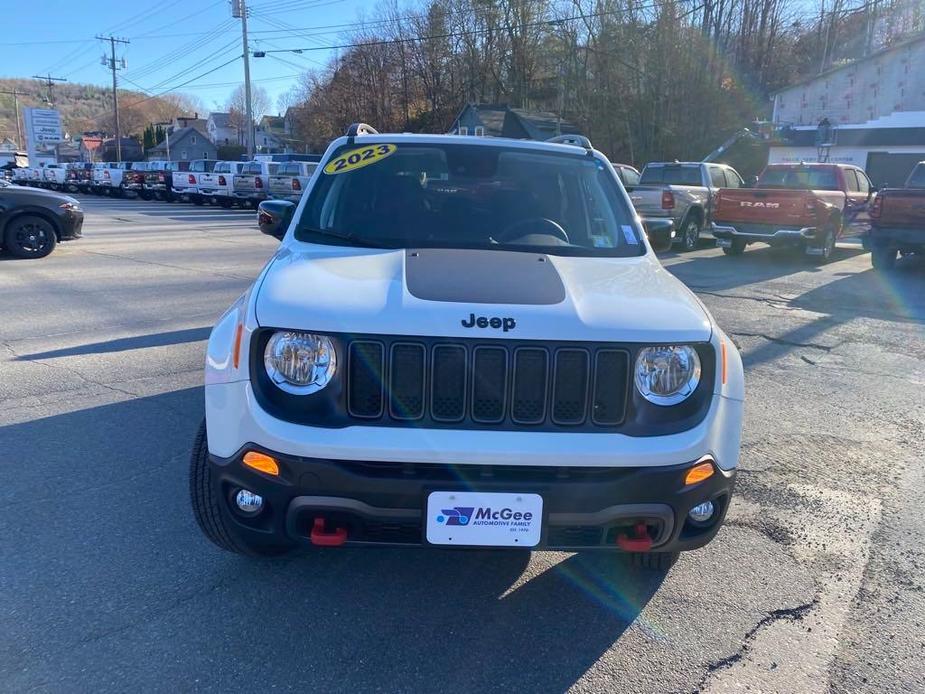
point(33, 221)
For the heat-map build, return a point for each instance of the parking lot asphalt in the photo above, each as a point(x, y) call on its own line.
point(816, 583)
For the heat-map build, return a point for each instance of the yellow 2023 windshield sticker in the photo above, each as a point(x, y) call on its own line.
point(358, 158)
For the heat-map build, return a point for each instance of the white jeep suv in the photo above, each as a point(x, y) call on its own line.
point(466, 342)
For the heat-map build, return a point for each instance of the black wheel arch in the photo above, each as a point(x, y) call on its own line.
point(695, 211)
point(30, 211)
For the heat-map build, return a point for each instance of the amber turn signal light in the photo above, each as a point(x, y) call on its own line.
point(261, 462)
point(698, 473)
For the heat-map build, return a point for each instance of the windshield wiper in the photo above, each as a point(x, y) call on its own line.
point(351, 237)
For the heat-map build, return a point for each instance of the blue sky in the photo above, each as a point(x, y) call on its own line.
point(173, 41)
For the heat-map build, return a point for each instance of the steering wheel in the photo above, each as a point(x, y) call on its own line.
point(540, 226)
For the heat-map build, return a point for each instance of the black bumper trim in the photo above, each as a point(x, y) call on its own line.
point(383, 503)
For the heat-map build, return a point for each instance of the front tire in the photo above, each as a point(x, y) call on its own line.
point(30, 236)
point(883, 258)
point(206, 505)
point(827, 248)
point(690, 234)
point(737, 247)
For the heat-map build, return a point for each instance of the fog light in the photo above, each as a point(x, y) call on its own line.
point(701, 513)
point(248, 502)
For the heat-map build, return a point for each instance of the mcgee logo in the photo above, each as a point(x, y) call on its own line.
point(458, 515)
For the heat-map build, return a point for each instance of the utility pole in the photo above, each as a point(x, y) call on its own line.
point(50, 83)
point(239, 11)
point(166, 125)
point(113, 65)
point(15, 94)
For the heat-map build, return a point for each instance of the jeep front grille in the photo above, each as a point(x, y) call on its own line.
point(483, 384)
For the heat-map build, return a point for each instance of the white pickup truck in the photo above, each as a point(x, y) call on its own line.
point(107, 179)
point(186, 183)
point(291, 180)
point(217, 186)
point(253, 183)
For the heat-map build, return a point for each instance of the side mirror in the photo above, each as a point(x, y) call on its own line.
point(661, 233)
point(273, 217)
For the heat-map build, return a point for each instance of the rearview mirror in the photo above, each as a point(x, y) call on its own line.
point(661, 233)
point(273, 217)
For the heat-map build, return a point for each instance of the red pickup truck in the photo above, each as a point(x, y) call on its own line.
point(808, 206)
point(897, 221)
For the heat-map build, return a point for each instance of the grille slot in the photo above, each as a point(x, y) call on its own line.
point(448, 384)
point(406, 381)
point(489, 384)
point(570, 387)
point(530, 375)
point(611, 376)
point(365, 392)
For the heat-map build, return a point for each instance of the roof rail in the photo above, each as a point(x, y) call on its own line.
point(361, 129)
point(577, 140)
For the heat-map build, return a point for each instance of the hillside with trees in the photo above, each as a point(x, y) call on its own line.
point(87, 107)
point(643, 78)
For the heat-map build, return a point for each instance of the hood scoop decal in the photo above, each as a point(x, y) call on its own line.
point(471, 276)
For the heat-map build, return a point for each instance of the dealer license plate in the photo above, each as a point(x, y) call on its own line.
point(487, 519)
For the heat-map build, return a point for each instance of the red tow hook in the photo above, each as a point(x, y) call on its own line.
point(325, 539)
point(640, 542)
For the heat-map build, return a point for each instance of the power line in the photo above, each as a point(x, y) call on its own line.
point(49, 82)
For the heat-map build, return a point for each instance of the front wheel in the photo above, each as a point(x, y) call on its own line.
point(883, 258)
point(29, 236)
point(207, 507)
point(737, 247)
point(823, 253)
point(690, 234)
point(197, 200)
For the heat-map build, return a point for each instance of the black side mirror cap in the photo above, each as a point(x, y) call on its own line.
point(273, 217)
point(661, 233)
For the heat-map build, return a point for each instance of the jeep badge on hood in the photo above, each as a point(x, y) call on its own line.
point(474, 321)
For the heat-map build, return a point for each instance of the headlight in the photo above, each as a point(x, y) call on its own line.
point(667, 375)
point(300, 363)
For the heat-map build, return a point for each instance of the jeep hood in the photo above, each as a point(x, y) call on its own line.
point(438, 292)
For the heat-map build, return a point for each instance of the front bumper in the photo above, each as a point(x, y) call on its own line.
point(377, 503)
point(72, 225)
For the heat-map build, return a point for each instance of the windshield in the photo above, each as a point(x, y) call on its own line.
point(800, 179)
point(671, 175)
point(423, 195)
point(917, 179)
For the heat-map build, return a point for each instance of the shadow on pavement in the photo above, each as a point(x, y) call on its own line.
point(758, 264)
point(111, 578)
point(125, 344)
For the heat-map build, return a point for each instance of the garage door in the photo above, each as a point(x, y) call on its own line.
point(886, 169)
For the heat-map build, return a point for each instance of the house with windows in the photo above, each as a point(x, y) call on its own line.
point(500, 120)
point(183, 144)
point(220, 129)
point(869, 113)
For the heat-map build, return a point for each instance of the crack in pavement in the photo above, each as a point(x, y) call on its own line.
point(792, 343)
point(786, 613)
point(168, 265)
point(54, 367)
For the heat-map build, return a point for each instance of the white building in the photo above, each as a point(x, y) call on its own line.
point(220, 130)
point(870, 113)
